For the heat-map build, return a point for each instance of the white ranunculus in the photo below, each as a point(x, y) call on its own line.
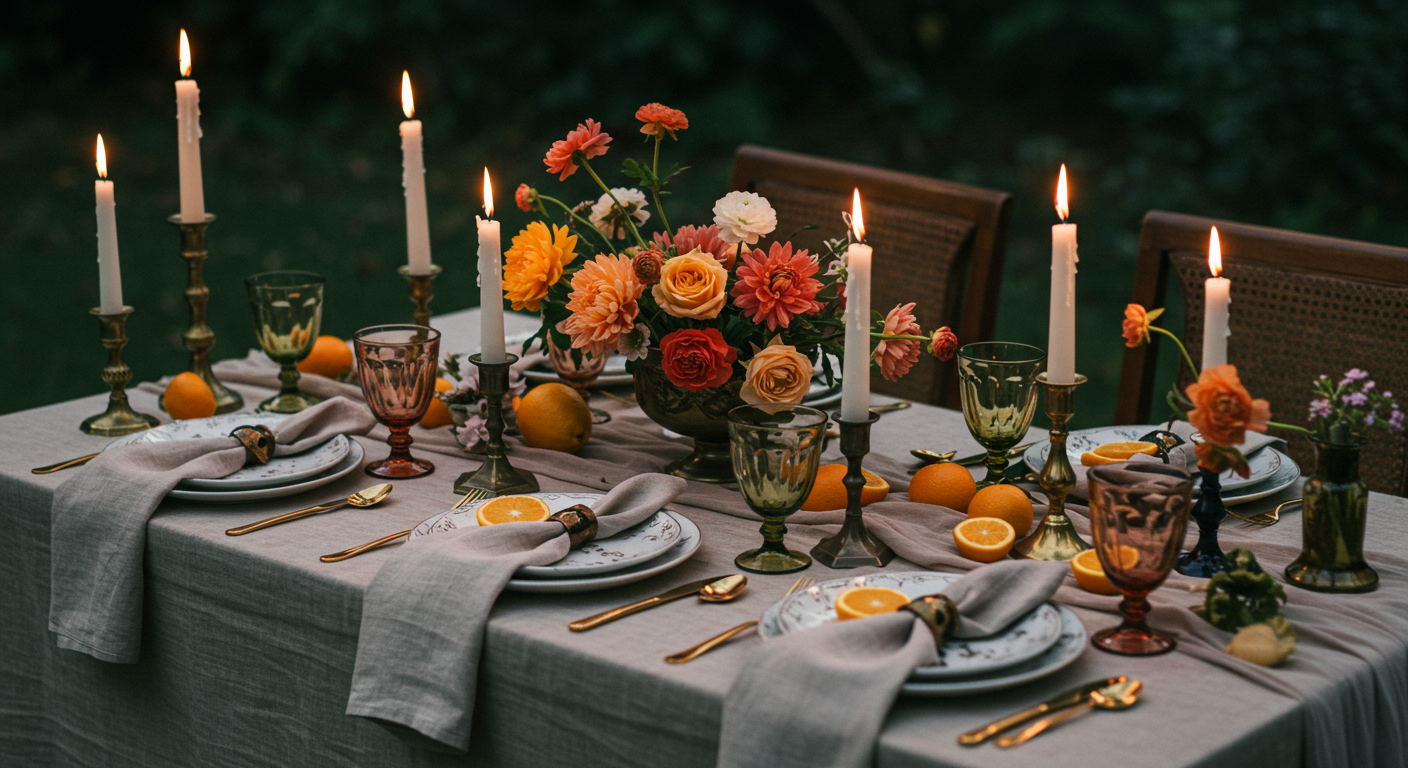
point(743, 217)
point(605, 217)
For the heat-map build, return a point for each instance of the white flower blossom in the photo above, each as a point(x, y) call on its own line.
point(743, 217)
point(606, 218)
point(635, 344)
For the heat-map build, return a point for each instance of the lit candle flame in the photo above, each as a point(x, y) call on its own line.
point(102, 158)
point(488, 195)
point(1215, 254)
point(1063, 204)
point(408, 102)
point(857, 221)
point(185, 55)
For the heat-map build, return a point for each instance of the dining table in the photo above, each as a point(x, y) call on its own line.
point(249, 642)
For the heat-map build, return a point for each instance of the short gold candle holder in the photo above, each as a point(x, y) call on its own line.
point(199, 338)
point(119, 418)
point(496, 474)
point(422, 291)
point(853, 546)
point(1056, 539)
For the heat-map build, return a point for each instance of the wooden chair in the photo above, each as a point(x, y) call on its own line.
point(937, 243)
point(1302, 305)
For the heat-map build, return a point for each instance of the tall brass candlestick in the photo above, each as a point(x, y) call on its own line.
point(119, 418)
point(422, 291)
point(496, 474)
point(853, 546)
point(1056, 538)
point(199, 338)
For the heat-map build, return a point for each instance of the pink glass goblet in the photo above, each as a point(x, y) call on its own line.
point(397, 365)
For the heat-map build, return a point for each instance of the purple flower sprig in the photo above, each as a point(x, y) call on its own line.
point(1342, 410)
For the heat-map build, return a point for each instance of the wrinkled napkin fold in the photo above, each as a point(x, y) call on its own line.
point(424, 614)
point(100, 523)
point(819, 697)
point(1183, 455)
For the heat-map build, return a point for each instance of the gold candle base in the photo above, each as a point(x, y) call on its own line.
point(1056, 538)
point(853, 546)
point(496, 474)
point(422, 291)
point(199, 338)
point(119, 418)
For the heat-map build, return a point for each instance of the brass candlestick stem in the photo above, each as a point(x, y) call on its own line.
point(422, 291)
point(496, 474)
point(119, 418)
point(853, 546)
point(199, 338)
point(1056, 538)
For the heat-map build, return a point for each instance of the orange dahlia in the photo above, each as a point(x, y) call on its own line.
point(706, 239)
point(587, 139)
point(534, 262)
point(602, 303)
point(775, 287)
point(660, 118)
point(897, 356)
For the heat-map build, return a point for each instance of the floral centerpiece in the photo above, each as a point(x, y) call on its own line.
point(709, 315)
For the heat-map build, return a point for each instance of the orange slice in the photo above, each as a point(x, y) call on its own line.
point(1110, 453)
point(984, 539)
point(1091, 575)
point(859, 602)
point(513, 509)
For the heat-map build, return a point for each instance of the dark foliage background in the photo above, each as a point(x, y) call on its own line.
point(1289, 114)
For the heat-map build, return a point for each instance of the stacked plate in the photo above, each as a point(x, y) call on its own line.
point(1041, 643)
point(658, 544)
point(613, 374)
point(282, 476)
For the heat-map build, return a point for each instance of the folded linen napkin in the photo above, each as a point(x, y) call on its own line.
point(819, 697)
point(423, 615)
point(100, 523)
point(1183, 454)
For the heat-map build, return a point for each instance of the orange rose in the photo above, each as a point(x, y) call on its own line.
point(1223, 410)
point(777, 374)
point(693, 286)
point(1135, 326)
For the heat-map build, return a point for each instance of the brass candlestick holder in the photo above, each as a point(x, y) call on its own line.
point(1056, 538)
point(119, 418)
point(853, 546)
point(496, 474)
point(422, 291)
point(199, 338)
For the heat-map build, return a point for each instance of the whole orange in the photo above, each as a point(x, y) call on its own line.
point(830, 493)
point(188, 397)
point(331, 357)
point(438, 414)
point(1005, 502)
point(945, 484)
point(555, 417)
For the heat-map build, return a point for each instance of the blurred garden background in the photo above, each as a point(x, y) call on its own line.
point(1289, 113)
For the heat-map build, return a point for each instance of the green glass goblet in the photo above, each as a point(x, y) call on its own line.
point(288, 313)
point(776, 450)
point(997, 385)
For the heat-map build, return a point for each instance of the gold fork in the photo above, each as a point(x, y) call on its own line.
point(474, 495)
point(1265, 518)
point(691, 654)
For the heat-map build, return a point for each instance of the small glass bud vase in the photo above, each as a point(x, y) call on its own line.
point(1335, 510)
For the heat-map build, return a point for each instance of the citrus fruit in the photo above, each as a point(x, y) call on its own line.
point(555, 417)
point(331, 357)
point(1006, 502)
point(188, 397)
point(985, 539)
point(830, 493)
point(945, 484)
point(1091, 575)
point(438, 414)
point(1110, 453)
point(513, 509)
point(859, 602)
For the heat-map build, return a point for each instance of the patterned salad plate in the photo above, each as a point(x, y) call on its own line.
point(342, 469)
point(1265, 464)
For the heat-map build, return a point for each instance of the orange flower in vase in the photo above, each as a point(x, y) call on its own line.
point(602, 303)
point(697, 360)
point(1223, 411)
point(587, 139)
point(534, 262)
point(660, 119)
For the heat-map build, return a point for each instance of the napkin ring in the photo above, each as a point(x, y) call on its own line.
point(939, 614)
point(580, 522)
point(258, 443)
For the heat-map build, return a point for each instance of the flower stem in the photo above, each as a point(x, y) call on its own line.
point(1187, 358)
point(1291, 427)
point(655, 189)
point(630, 222)
point(579, 219)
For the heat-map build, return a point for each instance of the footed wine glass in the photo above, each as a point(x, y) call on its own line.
point(1138, 515)
point(997, 385)
point(396, 365)
point(579, 368)
point(288, 313)
point(776, 450)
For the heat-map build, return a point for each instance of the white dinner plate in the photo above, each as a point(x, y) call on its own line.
point(342, 469)
point(1025, 639)
point(633, 546)
point(1285, 477)
point(281, 470)
point(613, 374)
point(684, 548)
point(1264, 464)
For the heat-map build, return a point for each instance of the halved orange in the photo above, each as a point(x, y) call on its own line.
point(828, 492)
point(859, 602)
point(1090, 574)
point(1111, 453)
point(513, 509)
point(984, 539)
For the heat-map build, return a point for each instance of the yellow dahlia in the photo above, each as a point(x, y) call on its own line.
point(535, 262)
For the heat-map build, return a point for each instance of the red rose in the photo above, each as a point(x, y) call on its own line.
point(526, 197)
point(697, 360)
point(943, 344)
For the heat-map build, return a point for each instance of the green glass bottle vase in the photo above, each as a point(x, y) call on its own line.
point(1335, 509)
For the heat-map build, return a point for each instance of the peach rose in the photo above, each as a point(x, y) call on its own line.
point(693, 285)
point(1223, 410)
point(777, 374)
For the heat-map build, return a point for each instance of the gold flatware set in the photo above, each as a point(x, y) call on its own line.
point(364, 498)
point(715, 589)
point(690, 654)
point(1113, 693)
point(476, 494)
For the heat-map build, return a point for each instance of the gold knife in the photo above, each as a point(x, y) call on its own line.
point(650, 602)
point(1067, 699)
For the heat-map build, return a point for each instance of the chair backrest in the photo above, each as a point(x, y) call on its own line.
point(1302, 305)
point(937, 243)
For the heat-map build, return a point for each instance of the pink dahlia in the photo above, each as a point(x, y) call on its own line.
point(775, 287)
point(706, 239)
point(587, 139)
point(602, 303)
point(897, 356)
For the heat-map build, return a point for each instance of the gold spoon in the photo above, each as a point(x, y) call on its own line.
point(690, 654)
point(363, 498)
point(920, 453)
point(1117, 696)
point(78, 462)
point(724, 589)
